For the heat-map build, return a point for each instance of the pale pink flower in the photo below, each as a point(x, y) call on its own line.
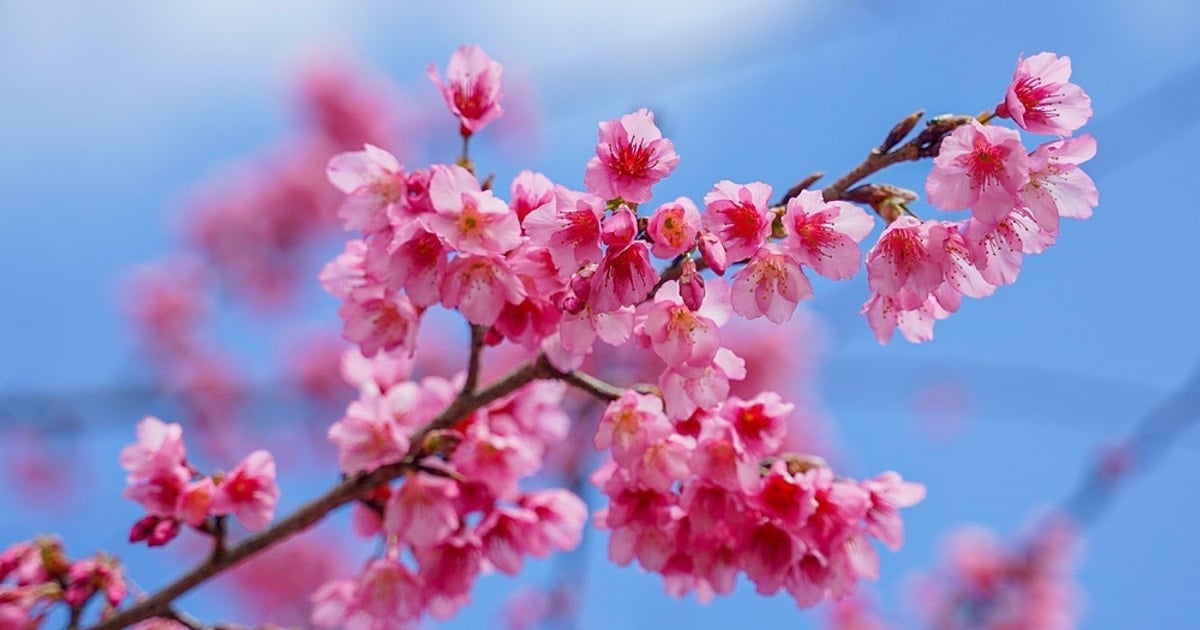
point(479, 286)
point(468, 218)
point(472, 87)
point(949, 249)
point(825, 235)
point(569, 228)
point(418, 265)
point(196, 501)
point(630, 424)
point(686, 388)
point(673, 228)
point(158, 474)
point(999, 250)
point(448, 569)
point(1057, 186)
point(368, 436)
point(678, 334)
point(530, 191)
point(1041, 98)
point(737, 214)
point(249, 491)
point(900, 264)
point(372, 180)
point(770, 284)
point(885, 313)
point(979, 167)
point(631, 157)
point(497, 462)
point(889, 492)
point(388, 324)
point(506, 534)
point(421, 512)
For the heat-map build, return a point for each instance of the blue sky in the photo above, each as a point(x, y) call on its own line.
point(110, 114)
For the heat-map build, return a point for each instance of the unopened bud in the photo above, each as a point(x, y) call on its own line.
point(581, 283)
point(713, 252)
point(620, 228)
point(691, 285)
point(164, 532)
point(142, 529)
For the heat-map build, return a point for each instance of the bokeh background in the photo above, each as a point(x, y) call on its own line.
point(111, 113)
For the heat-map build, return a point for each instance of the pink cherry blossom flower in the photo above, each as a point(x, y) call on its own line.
point(1057, 186)
point(472, 88)
point(506, 534)
point(569, 228)
point(368, 436)
point(624, 278)
point(737, 214)
point(761, 422)
point(388, 324)
point(948, 248)
point(249, 491)
point(422, 511)
point(825, 235)
point(468, 218)
point(530, 191)
point(900, 264)
point(979, 167)
point(373, 180)
point(1041, 98)
point(885, 313)
point(630, 424)
point(686, 388)
point(196, 501)
point(677, 334)
point(712, 252)
point(771, 284)
point(418, 265)
point(888, 493)
point(158, 475)
point(673, 228)
point(479, 286)
point(631, 157)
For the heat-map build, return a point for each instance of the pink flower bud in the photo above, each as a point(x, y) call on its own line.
point(691, 285)
point(712, 252)
point(581, 283)
point(142, 529)
point(620, 228)
point(164, 532)
point(571, 304)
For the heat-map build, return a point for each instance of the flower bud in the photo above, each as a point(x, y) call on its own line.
point(620, 228)
point(713, 252)
point(691, 285)
point(163, 533)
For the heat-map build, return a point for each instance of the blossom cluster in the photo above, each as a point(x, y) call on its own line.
point(919, 271)
point(463, 513)
point(174, 493)
point(36, 575)
point(705, 499)
point(983, 583)
point(702, 485)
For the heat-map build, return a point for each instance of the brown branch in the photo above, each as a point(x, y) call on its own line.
point(924, 145)
point(476, 359)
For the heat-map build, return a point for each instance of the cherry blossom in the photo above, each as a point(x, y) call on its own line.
point(631, 157)
point(1041, 99)
point(472, 87)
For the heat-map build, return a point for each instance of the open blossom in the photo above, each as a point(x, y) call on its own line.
point(373, 180)
point(771, 284)
point(900, 264)
point(249, 491)
point(632, 156)
point(468, 218)
point(530, 191)
point(479, 286)
point(982, 167)
point(624, 277)
point(569, 227)
point(1057, 186)
point(387, 324)
point(737, 214)
point(825, 234)
point(673, 228)
point(472, 87)
point(158, 475)
point(1041, 98)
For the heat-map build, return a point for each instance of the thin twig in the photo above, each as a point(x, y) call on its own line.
point(476, 359)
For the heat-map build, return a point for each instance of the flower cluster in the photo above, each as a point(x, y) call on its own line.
point(919, 271)
point(704, 499)
point(984, 584)
point(36, 575)
point(464, 514)
point(174, 493)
